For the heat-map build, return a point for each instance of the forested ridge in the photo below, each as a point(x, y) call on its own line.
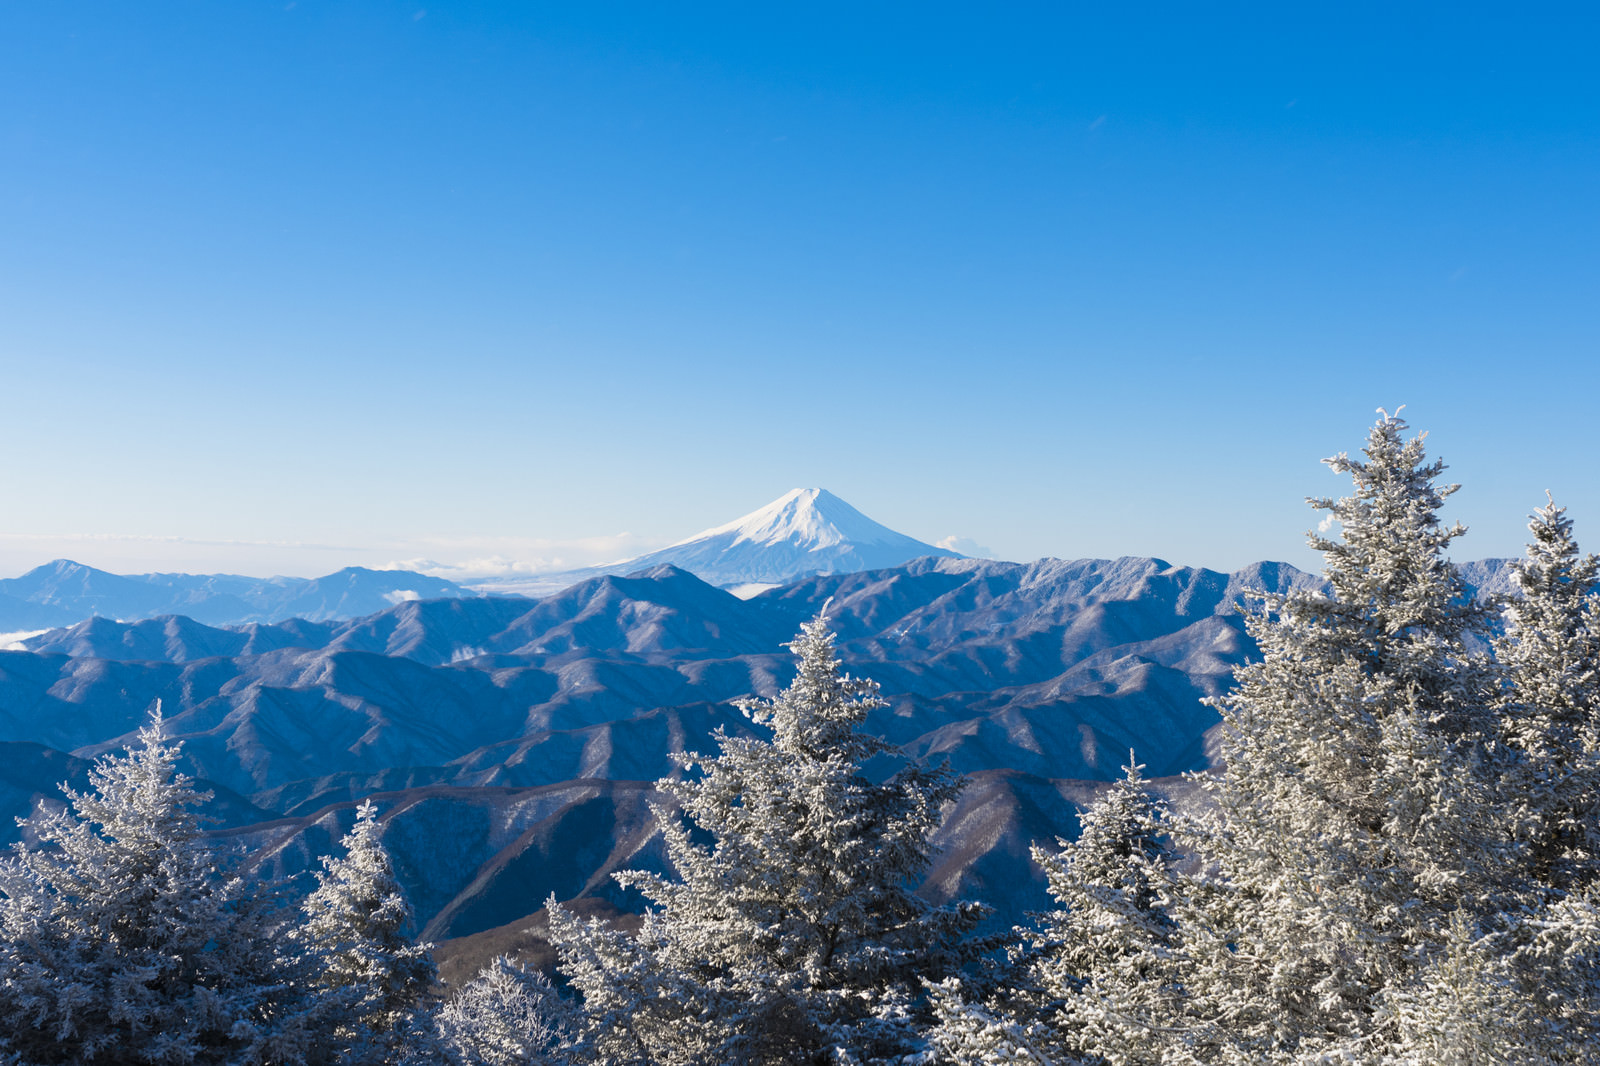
point(1399, 863)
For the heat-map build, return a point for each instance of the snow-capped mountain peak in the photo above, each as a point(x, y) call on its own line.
point(809, 518)
point(802, 532)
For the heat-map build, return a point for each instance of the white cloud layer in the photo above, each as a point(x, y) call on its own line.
point(453, 558)
point(466, 558)
point(966, 546)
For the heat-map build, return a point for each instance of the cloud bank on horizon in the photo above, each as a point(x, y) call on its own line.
point(455, 559)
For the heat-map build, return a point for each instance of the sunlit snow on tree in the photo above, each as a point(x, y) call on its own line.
point(795, 934)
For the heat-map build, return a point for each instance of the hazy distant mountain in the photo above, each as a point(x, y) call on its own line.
point(803, 532)
point(63, 592)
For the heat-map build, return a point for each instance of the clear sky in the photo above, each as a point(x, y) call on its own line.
point(291, 286)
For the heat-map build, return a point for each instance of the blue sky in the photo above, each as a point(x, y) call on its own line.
point(285, 287)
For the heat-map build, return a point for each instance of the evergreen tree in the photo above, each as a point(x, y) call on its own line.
point(639, 1008)
point(1550, 788)
point(1355, 814)
point(1461, 1011)
point(966, 1034)
point(1556, 975)
point(795, 934)
point(122, 941)
point(509, 1015)
point(1104, 971)
point(354, 937)
point(1550, 716)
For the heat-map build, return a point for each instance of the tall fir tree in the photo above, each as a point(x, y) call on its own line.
point(122, 938)
point(1550, 787)
point(794, 934)
point(1550, 714)
point(354, 936)
point(1355, 813)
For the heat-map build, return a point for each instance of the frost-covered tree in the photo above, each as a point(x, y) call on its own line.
point(1556, 977)
point(1103, 973)
point(509, 1015)
point(1550, 787)
point(354, 936)
point(793, 933)
point(1460, 1011)
point(123, 941)
point(637, 1007)
point(969, 1034)
point(1550, 716)
point(1354, 817)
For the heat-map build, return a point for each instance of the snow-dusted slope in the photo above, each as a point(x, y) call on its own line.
point(803, 532)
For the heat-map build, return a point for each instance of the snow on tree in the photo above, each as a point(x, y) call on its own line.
point(1550, 717)
point(122, 939)
point(968, 1034)
point(638, 1007)
point(509, 1015)
point(1461, 1012)
point(354, 934)
point(1354, 817)
point(1550, 787)
point(1104, 971)
point(1557, 971)
point(795, 934)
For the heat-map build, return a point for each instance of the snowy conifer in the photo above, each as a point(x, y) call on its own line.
point(1354, 817)
point(1104, 970)
point(795, 934)
point(509, 1015)
point(1460, 1011)
point(354, 934)
point(122, 941)
point(1550, 724)
point(640, 1006)
point(1556, 975)
point(1550, 718)
point(968, 1034)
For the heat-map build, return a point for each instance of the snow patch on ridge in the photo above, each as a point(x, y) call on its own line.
point(751, 589)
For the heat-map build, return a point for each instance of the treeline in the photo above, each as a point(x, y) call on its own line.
point(1398, 865)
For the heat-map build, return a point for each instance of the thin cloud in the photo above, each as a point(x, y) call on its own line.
point(965, 546)
point(155, 538)
point(465, 558)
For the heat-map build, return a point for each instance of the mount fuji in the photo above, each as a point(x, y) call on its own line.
point(803, 533)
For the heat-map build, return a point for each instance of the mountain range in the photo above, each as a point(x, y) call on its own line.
point(543, 722)
point(511, 744)
point(63, 592)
